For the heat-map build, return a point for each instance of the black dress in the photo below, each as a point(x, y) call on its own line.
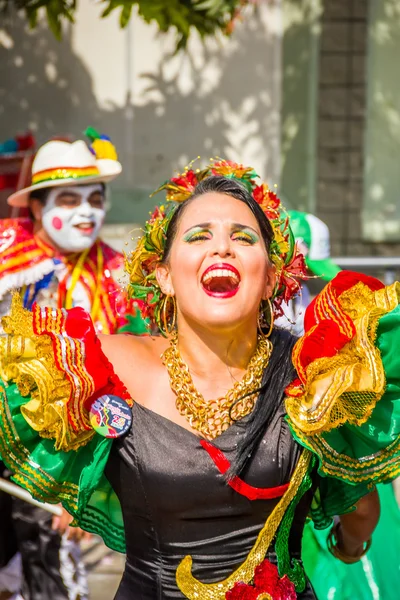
point(175, 502)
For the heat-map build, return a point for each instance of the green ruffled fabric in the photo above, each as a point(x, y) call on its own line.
point(375, 577)
point(375, 444)
point(76, 478)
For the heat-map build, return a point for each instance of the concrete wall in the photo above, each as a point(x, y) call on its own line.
point(300, 60)
point(341, 122)
point(381, 214)
point(358, 174)
point(161, 110)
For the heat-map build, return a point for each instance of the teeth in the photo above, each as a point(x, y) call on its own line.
point(220, 273)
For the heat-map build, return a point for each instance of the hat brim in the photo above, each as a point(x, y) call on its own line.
point(109, 172)
point(326, 269)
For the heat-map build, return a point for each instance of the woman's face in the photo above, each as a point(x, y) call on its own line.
point(218, 268)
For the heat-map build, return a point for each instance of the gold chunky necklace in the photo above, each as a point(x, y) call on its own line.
point(213, 417)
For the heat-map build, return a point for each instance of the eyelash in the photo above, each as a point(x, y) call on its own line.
point(245, 238)
point(198, 237)
point(203, 236)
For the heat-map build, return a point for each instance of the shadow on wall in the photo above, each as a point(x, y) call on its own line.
point(299, 104)
point(39, 94)
point(50, 90)
point(381, 215)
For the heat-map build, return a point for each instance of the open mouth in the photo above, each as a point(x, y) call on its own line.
point(85, 228)
point(221, 281)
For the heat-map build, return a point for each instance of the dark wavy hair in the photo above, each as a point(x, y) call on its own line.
point(279, 371)
point(221, 185)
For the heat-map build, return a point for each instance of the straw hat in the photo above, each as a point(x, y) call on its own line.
point(60, 163)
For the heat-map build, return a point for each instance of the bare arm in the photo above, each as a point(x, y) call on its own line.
point(356, 528)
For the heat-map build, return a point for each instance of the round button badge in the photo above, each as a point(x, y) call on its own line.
point(110, 416)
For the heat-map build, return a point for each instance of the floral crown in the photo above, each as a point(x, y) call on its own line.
point(141, 263)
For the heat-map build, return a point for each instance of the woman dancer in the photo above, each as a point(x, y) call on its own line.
point(209, 497)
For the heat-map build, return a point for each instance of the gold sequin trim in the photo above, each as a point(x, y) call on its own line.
point(195, 590)
point(384, 464)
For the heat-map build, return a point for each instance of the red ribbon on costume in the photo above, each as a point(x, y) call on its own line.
point(240, 486)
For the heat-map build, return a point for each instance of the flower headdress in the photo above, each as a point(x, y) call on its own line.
point(141, 263)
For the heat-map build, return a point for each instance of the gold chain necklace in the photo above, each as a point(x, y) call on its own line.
point(213, 417)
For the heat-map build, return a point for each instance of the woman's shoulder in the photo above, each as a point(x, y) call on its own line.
point(136, 360)
point(124, 346)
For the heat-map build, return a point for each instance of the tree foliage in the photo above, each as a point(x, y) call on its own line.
point(206, 16)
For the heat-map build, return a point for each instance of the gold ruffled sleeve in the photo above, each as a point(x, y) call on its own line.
point(49, 368)
point(345, 405)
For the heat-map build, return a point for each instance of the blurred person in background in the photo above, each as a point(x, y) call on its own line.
point(313, 240)
point(56, 259)
point(377, 575)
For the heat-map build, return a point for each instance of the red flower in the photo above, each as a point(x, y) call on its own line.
point(187, 181)
point(290, 274)
point(267, 585)
point(287, 589)
point(242, 591)
point(180, 188)
point(268, 201)
point(158, 213)
point(266, 576)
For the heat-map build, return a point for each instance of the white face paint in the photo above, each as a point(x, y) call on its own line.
point(72, 216)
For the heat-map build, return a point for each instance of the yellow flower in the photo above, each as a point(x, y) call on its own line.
point(227, 167)
point(134, 268)
point(133, 264)
point(156, 236)
point(280, 241)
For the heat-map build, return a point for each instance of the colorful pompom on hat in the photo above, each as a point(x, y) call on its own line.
point(60, 163)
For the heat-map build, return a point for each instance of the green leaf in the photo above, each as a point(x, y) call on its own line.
point(212, 7)
point(206, 16)
point(180, 22)
point(53, 20)
point(125, 15)
point(112, 5)
point(32, 14)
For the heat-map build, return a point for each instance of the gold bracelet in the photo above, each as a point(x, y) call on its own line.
point(339, 554)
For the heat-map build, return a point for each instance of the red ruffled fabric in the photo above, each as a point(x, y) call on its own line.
point(77, 328)
point(327, 327)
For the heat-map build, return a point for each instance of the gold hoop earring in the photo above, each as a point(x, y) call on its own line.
point(168, 328)
point(262, 321)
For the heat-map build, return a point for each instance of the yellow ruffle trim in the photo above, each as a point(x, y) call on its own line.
point(29, 360)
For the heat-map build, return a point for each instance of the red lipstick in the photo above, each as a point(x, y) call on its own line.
point(221, 280)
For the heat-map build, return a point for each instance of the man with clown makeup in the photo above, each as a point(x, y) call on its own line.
point(56, 258)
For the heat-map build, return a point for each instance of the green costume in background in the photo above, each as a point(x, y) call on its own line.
point(375, 577)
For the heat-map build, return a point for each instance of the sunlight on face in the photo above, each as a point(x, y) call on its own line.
point(218, 267)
